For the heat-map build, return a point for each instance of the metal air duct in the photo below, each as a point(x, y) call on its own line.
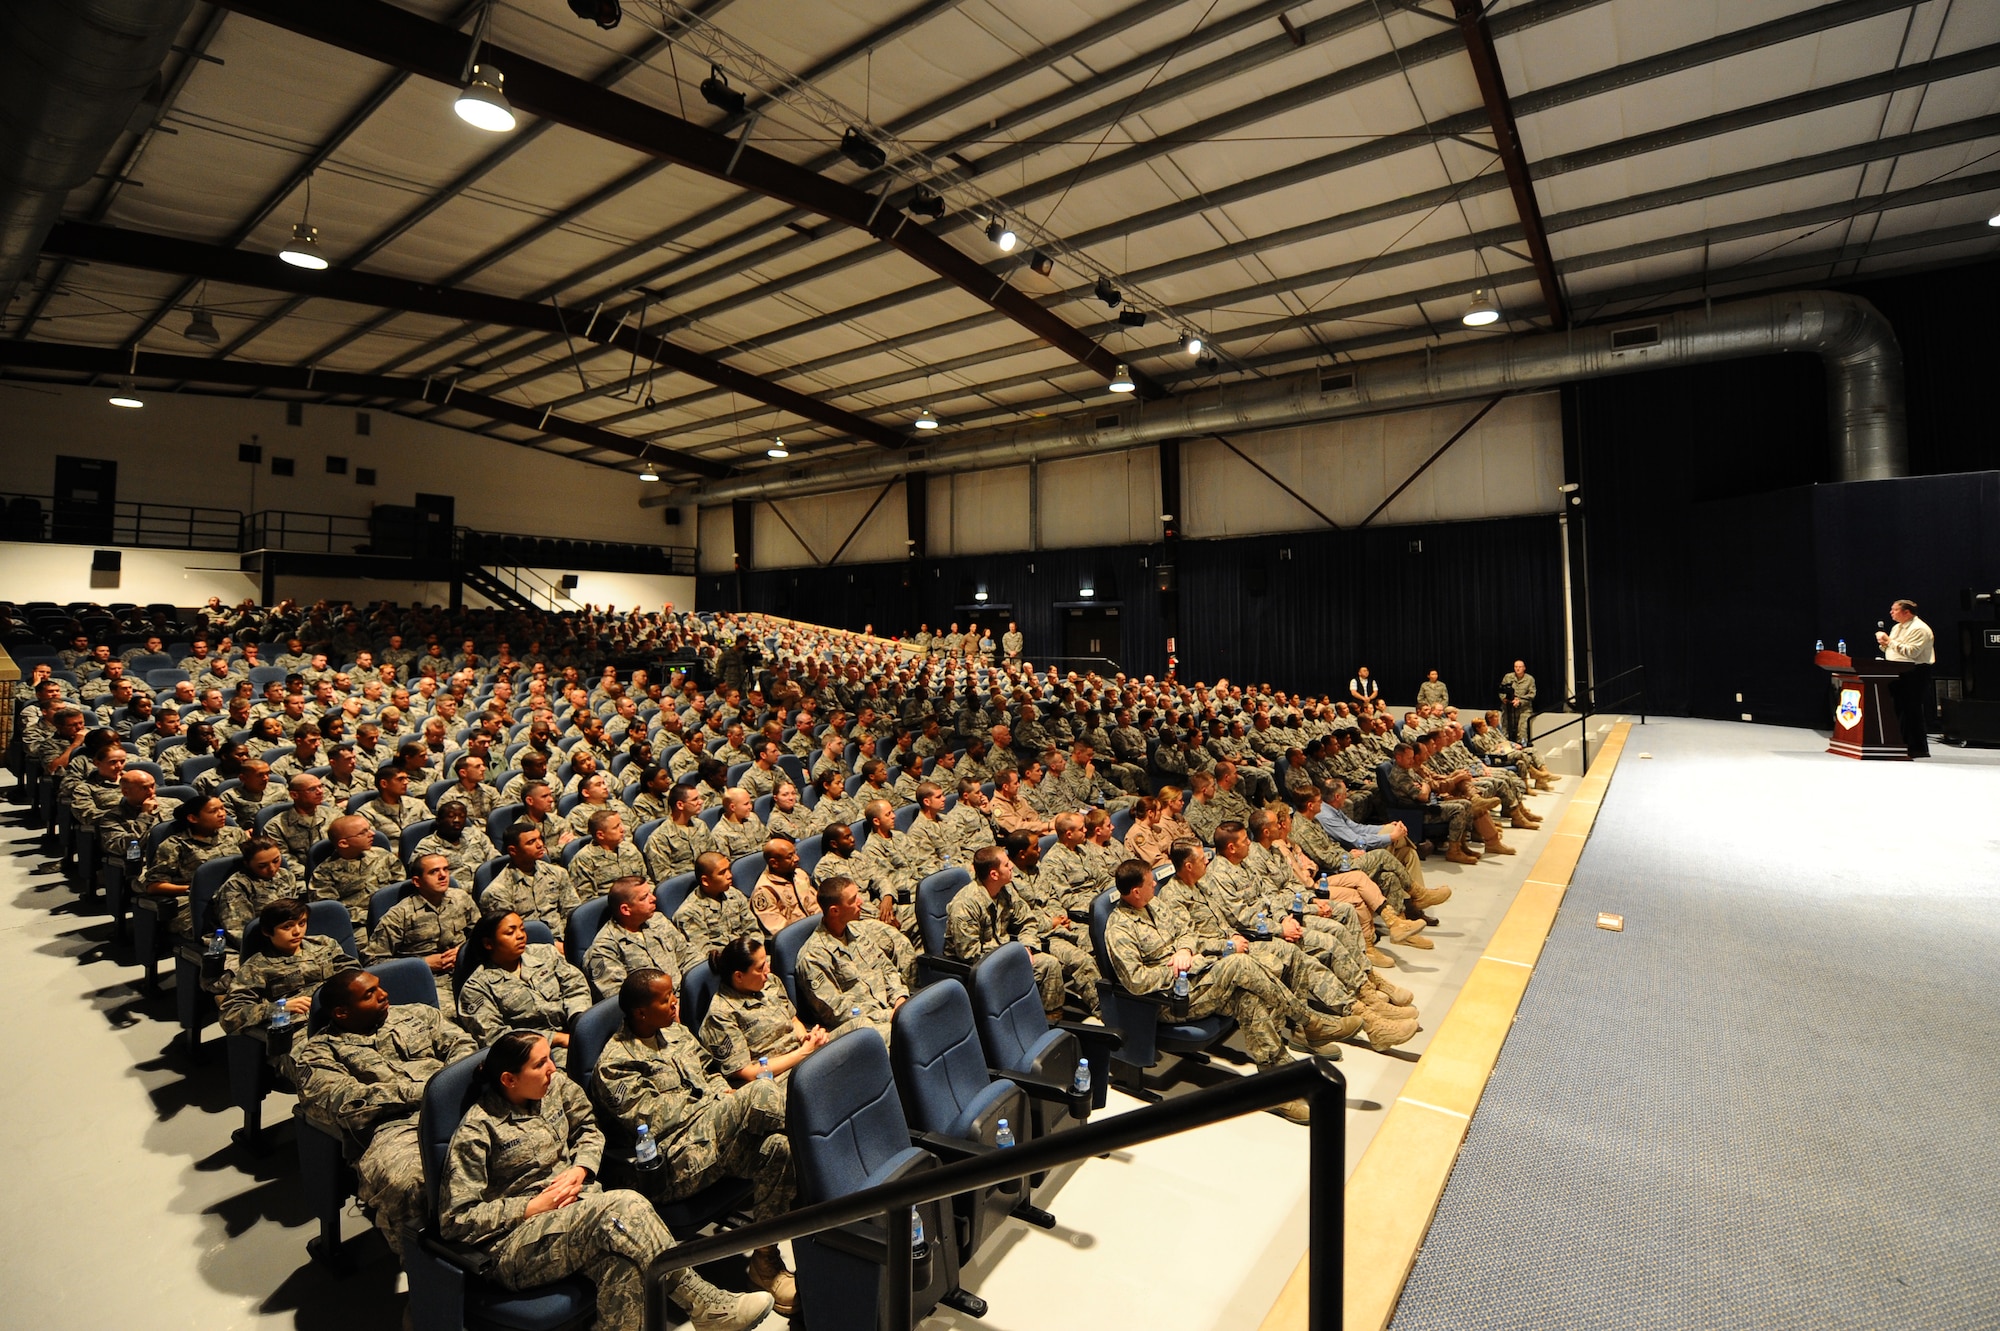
point(1864, 370)
point(71, 77)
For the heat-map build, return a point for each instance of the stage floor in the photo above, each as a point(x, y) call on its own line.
point(1769, 1102)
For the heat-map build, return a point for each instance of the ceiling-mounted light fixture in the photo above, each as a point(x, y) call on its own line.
point(202, 329)
point(1107, 293)
point(1132, 318)
point(604, 13)
point(1207, 364)
point(1993, 220)
point(715, 90)
point(1041, 263)
point(1121, 382)
point(1191, 343)
point(861, 150)
point(926, 202)
point(302, 250)
point(1001, 234)
point(647, 472)
point(126, 396)
point(777, 450)
point(482, 103)
point(926, 421)
point(979, 595)
point(1482, 311)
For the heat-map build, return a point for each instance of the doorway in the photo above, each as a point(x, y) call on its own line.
point(86, 501)
point(1091, 630)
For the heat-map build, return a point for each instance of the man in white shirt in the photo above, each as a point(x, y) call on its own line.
point(1911, 640)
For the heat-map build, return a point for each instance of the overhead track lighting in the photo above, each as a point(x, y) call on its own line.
point(1121, 382)
point(1191, 343)
point(302, 250)
point(604, 13)
point(1107, 293)
point(777, 450)
point(861, 150)
point(482, 103)
point(715, 90)
point(1001, 234)
point(1132, 318)
point(202, 329)
point(926, 203)
point(1041, 263)
point(1482, 311)
point(926, 421)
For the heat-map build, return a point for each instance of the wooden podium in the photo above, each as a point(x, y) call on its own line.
point(1864, 713)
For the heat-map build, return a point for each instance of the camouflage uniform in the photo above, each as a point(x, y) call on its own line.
point(1035, 900)
point(1265, 882)
point(795, 826)
point(174, 861)
point(579, 817)
point(741, 1028)
point(1406, 788)
point(894, 869)
point(266, 978)
point(296, 832)
point(243, 806)
point(836, 976)
point(705, 1132)
point(976, 924)
point(238, 902)
point(1071, 878)
point(930, 842)
point(366, 1090)
point(545, 994)
point(480, 801)
point(352, 882)
point(391, 821)
point(1209, 919)
point(970, 829)
point(709, 922)
point(544, 895)
point(617, 951)
point(673, 849)
point(1141, 943)
point(123, 824)
point(413, 927)
point(759, 782)
point(1382, 866)
point(502, 1155)
point(739, 839)
point(465, 855)
point(595, 869)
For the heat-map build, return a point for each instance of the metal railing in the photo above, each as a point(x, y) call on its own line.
point(538, 590)
point(305, 533)
point(133, 523)
point(1586, 704)
point(1317, 1081)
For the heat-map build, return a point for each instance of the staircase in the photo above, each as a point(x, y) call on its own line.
point(514, 588)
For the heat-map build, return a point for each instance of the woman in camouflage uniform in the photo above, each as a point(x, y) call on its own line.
point(519, 1183)
point(752, 1029)
point(202, 831)
point(512, 984)
point(285, 968)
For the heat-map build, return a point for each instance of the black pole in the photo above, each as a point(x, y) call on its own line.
point(898, 1309)
point(1327, 1224)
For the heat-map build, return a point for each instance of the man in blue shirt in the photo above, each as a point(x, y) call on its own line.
point(1394, 838)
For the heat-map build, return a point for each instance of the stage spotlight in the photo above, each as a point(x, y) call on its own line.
point(1132, 318)
point(715, 90)
point(1041, 263)
point(1001, 234)
point(861, 150)
point(1191, 343)
point(1108, 293)
point(925, 203)
point(604, 13)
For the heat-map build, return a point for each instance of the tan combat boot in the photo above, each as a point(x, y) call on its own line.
point(1402, 930)
point(1524, 817)
point(1456, 853)
point(768, 1273)
point(1377, 957)
point(1388, 1032)
point(1423, 898)
point(1373, 1002)
point(1321, 1035)
point(1395, 992)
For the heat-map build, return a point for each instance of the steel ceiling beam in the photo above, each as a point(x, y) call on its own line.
point(163, 254)
point(1513, 158)
point(403, 40)
point(69, 358)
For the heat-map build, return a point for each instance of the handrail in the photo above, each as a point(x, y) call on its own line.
point(1318, 1081)
point(138, 524)
point(1585, 701)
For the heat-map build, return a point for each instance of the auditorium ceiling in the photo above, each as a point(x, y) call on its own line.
point(679, 282)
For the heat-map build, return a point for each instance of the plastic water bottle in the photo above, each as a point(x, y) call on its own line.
point(1819, 645)
point(1003, 1136)
point(646, 1151)
point(1082, 1083)
point(280, 1020)
point(1181, 994)
point(1263, 924)
point(854, 1014)
point(218, 945)
point(916, 1231)
point(1841, 647)
point(1299, 906)
point(764, 1068)
point(133, 853)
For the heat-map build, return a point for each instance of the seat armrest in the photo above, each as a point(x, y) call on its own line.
point(1041, 1088)
point(943, 967)
point(1106, 1037)
point(956, 1148)
point(864, 1239)
point(473, 1261)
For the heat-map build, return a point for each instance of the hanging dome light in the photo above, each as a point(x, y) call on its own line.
point(1482, 311)
point(777, 450)
point(649, 474)
point(302, 250)
point(202, 329)
point(126, 396)
point(1121, 382)
point(482, 103)
point(926, 421)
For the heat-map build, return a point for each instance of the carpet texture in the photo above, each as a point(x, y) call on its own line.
point(1773, 1101)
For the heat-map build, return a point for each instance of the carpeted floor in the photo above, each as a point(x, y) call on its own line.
point(1773, 1101)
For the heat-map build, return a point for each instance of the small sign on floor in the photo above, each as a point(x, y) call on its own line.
point(1615, 923)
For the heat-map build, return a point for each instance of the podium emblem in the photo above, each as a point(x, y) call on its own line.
point(1848, 713)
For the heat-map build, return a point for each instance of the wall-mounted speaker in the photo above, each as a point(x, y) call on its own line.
point(1163, 577)
point(249, 452)
point(673, 516)
point(569, 582)
point(106, 561)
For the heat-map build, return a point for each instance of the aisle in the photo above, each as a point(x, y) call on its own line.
point(1768, 1103)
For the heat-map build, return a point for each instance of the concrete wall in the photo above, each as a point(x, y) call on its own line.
point(61, 573)
point(181, 449)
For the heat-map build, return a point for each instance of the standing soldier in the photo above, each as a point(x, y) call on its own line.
point(1011, 642)
point(1517, 701)
point(1432, 692)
